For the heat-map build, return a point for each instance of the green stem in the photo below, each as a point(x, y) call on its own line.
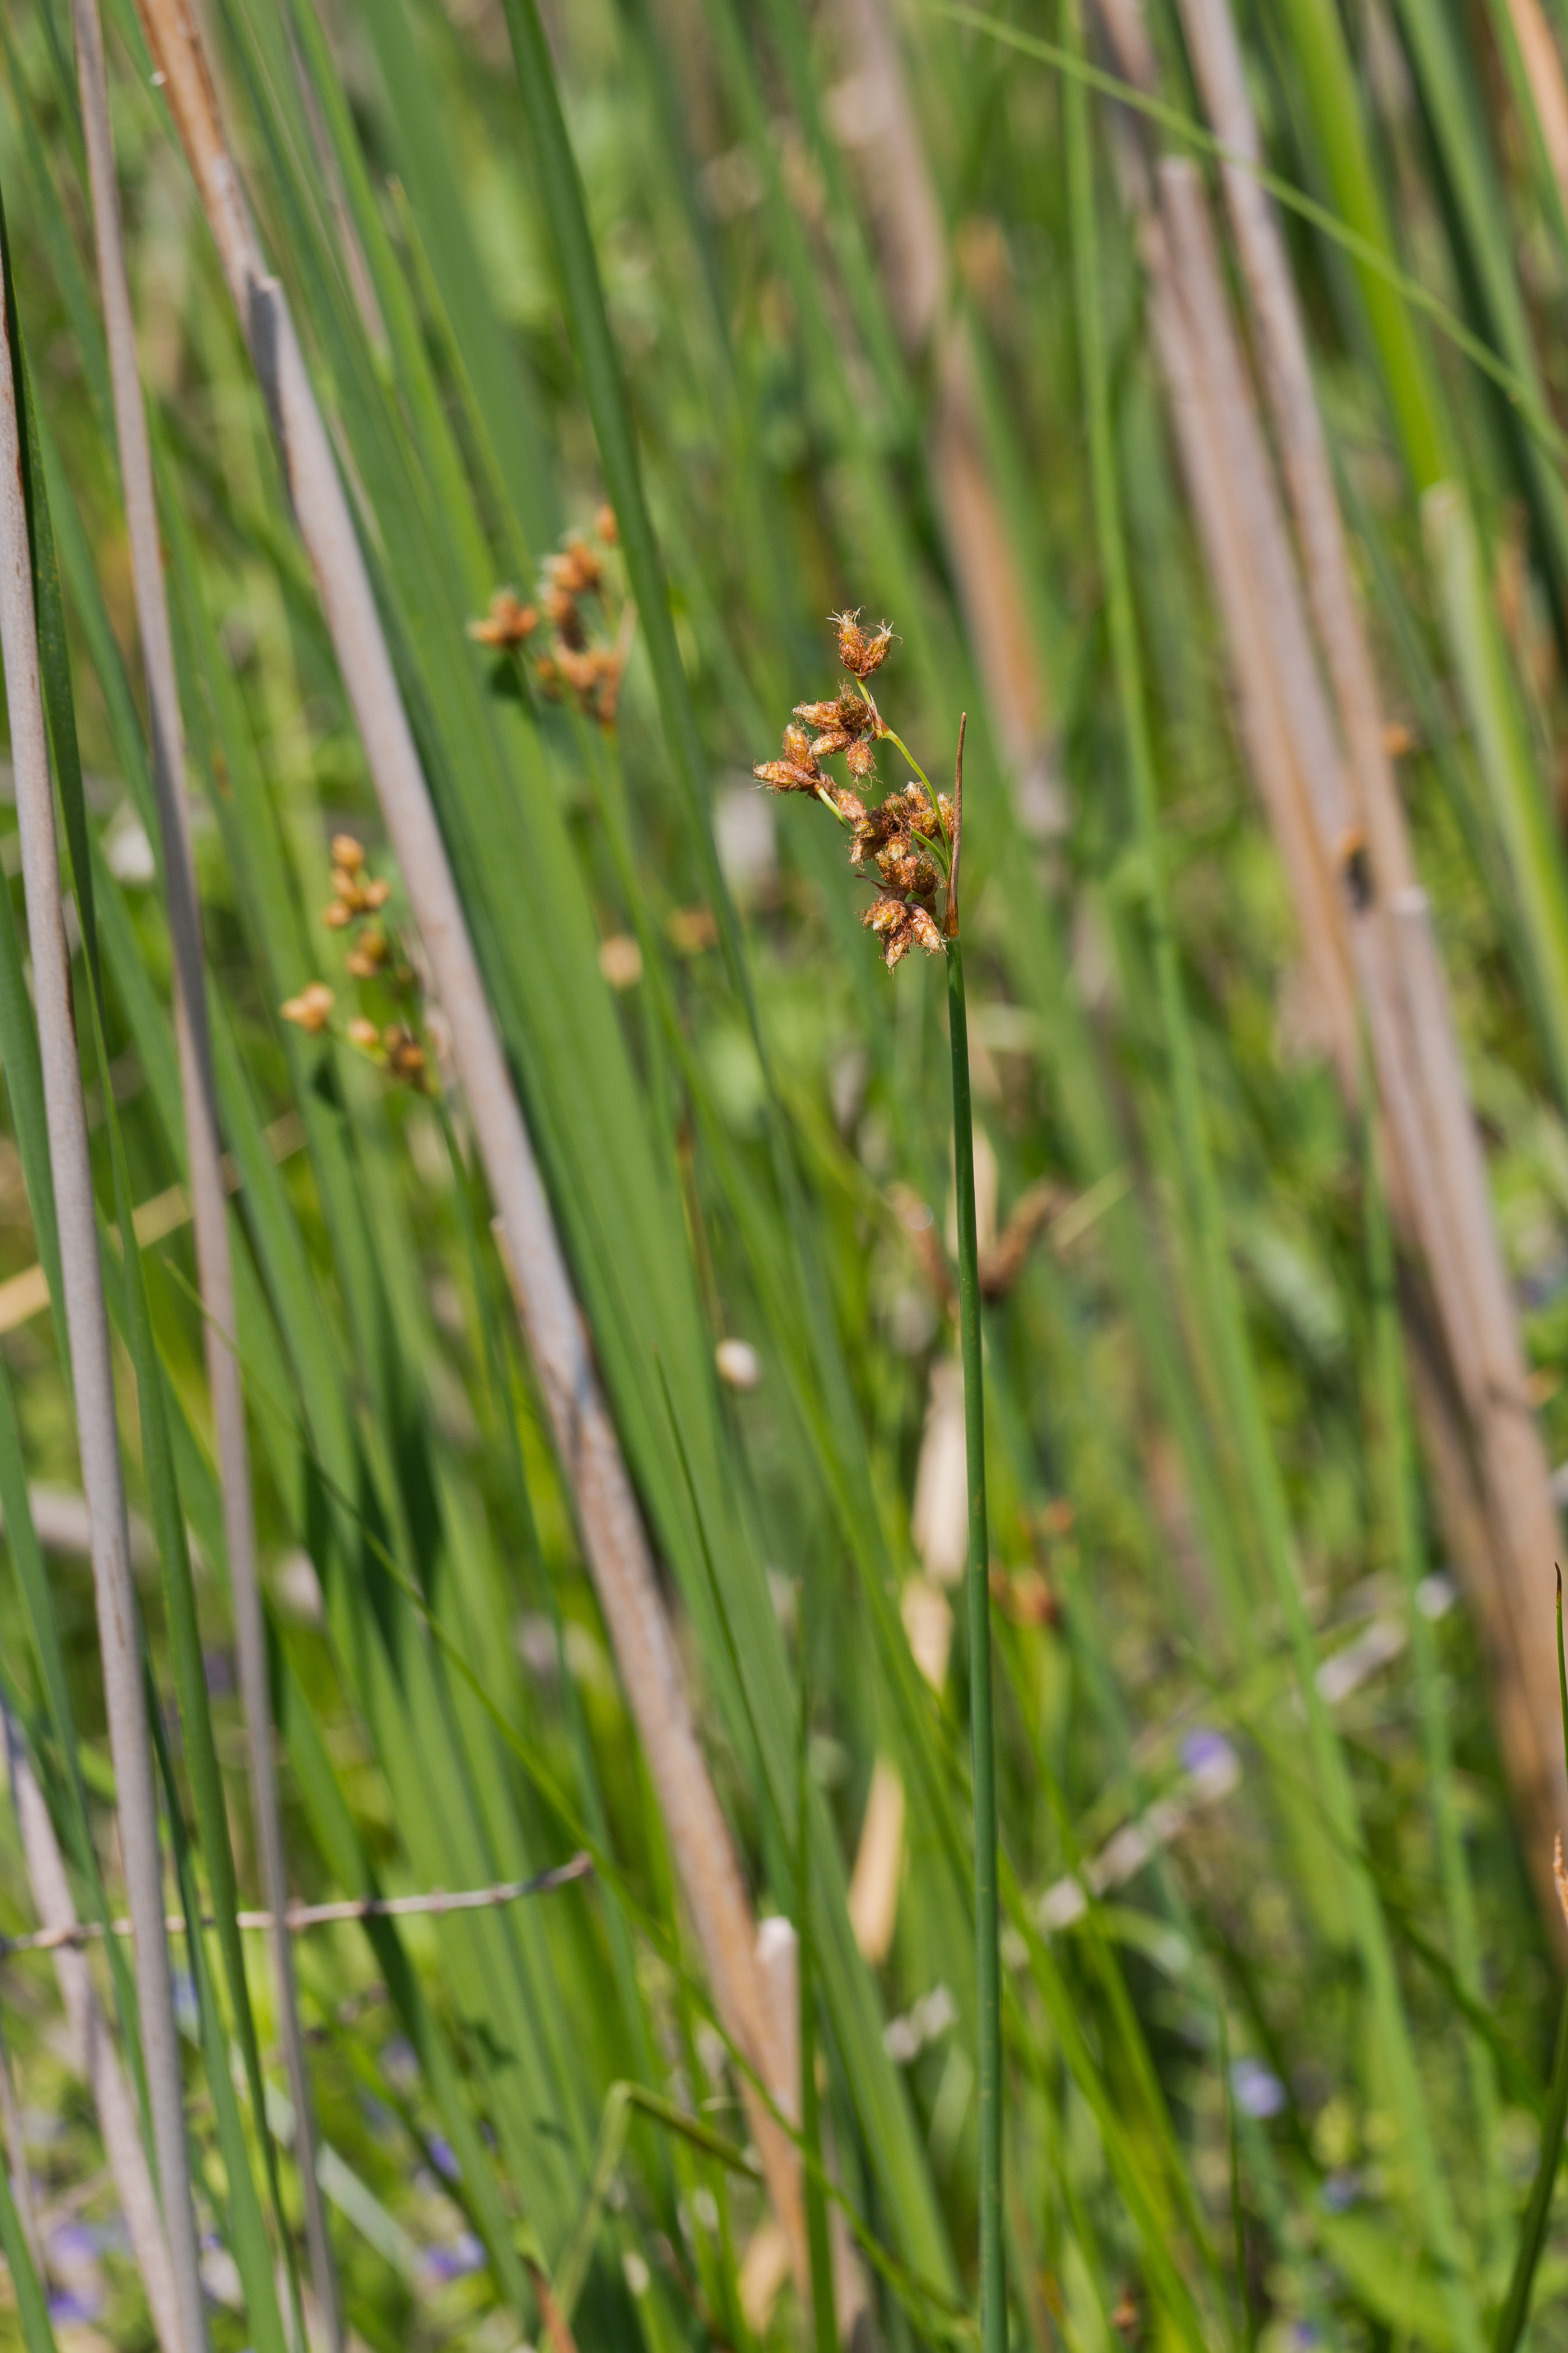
point(987, 1961)
point(1532, 2232)
point(898, 743)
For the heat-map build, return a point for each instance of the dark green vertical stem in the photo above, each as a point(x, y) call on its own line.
point(987, 1960)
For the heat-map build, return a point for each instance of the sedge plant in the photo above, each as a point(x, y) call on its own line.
point(912, 840)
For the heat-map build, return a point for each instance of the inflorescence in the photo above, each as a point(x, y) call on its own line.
point(910, 837)
point(578, 663)
point(355, 907)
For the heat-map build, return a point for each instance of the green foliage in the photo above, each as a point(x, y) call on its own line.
point(1277, 2003)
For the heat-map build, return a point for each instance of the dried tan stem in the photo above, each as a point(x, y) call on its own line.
point(1441, 1171)
point(912, 238)
point(1543, 72)
point(1354, 875)
point(92, 2042)
point(434, 1905)
point(86, 1326)
point(204, 1147)
point(1225, 470)
point(613, 1537)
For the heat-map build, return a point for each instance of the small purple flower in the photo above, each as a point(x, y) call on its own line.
point(1340, 2190)
point(445, 2163)
point(187, 2014)
point(455, 2261)
point(400, 2063)
point(81, 2305)
point(1212, 1764)
point(1257, 2091)
point(218, 1670)
point(72, 2244)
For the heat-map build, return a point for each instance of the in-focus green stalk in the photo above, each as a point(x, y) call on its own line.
point(912, 843)
point(988, 1958)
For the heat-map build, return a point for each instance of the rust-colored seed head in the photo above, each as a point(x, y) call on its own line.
point(368, 953)
point(894, 834)
point(405, 1055)
point(580, 671)
point(364, 1035)
point(347, 853)
point(506, 625)
point(560, 612)
point(861, 650)
point(312, 1009)
point(375, 894)
point(576, 571)
point(784, 777)
point(605, 527)
point(338, 916)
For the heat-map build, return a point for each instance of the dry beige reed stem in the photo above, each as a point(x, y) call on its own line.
point(215, 1265)
point(1441, 1169)
point(86, 1326)
point(92, 2042)
point(1356, 870)
point(1214, 457)
point(912, 242)
point(613, 1537)
point(1543, 72)
point(438, 1903)
point(1385, 942)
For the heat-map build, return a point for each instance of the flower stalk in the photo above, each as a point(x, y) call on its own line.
point(914, 838)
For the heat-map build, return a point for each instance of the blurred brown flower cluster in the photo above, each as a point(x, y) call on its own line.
point(356, 903)
point(581, 658)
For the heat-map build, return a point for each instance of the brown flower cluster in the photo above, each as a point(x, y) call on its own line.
point(575, 665)
point(357, 896)
point(507, 625)
point(357, 900)
point(312, 1009)
point(861, 650)
point(396, 1046)
point(900, 835)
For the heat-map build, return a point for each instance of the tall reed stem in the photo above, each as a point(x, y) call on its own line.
point(94, 2042)
point(204, 1145)
point(987, 1955)
point(87, 1324)
point(588, 1443)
